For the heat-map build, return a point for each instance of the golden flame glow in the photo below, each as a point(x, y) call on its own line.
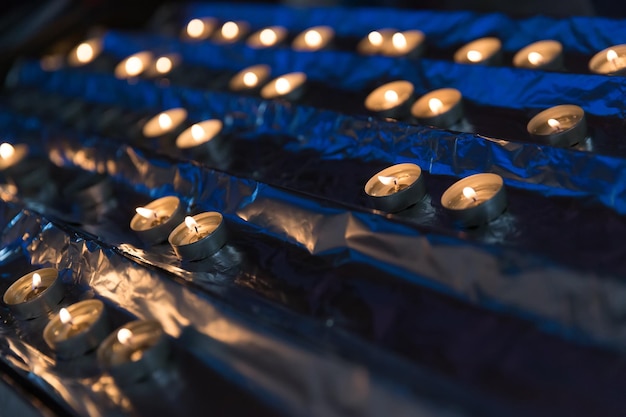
point(375, 38)
point(146, 212)
point(133, 66)
point(6, 150)
point(250, 79)
point(391, 96)
point(435, 105)
point(191, 224)
point(387, 180)
point(124, 335)
point(611, 55)
point(535, 58)
point(469, 193)
point(163, 65)
point(197, 132)
point(195, 28)
point(268, 37)
point(313, 38)
point(65, 316)
point(230, 30)
point(282, 86)
point(84, 53)
point(554, 124)
point(36, 281)
point(399, 41)
point(165, 121)
point(474, 56)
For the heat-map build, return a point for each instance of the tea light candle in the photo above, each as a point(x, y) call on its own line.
point(546, 55)
point(134, 351)
point(485, 51)
point(476, 199)
point(563, 125)
point(313, 39)
point(267, 37)
point(395, 188)
point(375, 41)
point(393, 99)
point(133, 65)
point(154, 222)
point(610, 61)
point(12, 156)
point(198, 237)
point(164, 122)
point(409, 43)
point(85, 52)
point(200, 135)
point(162, 65)
point(77, 329)
point(199, 28)
point(441, 108)
point(231, 32)
point(250, 79)
point(289, 86)
point(34, 294)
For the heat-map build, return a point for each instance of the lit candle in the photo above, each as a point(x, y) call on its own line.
point(441, 108)
point(545, 55)
point(250, 79)
point(231, 32)
point(77, 329)
point(198, 237)
point(290, 86)
point(85, 52)
point(133, 65)
point(313, 39)
point(199, 134)
point(563, 125)
point(12, 155)
point(267, 37)
point(377, 41)
point(393, 99)
point(134, 351)
point(486, 51)
point(164, 122)
point(34, 294)
point(395, 188)
point(154, 222)
point(200, 28)
point(475, 200)
point(409, 43)
point(610, 61)
point(162, 65)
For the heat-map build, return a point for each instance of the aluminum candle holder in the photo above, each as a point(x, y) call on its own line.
point(545, 55)
point(155, 221)
point(610, 61)
point(267, 37)
point(289, 86)
point(395, 188)
point(34, 294)
point(77, 329)
point(199, 237)
point(313, 39)
point(563, 125)
point(441, 108)
point(408, 44)
point(85, 52)
point(164, 123)
point(250, 79)
point(375, 41)
point(202, 138)
point(133, 65)
point(475, 200)
point(393, 99)
point(134, 351)
point(162, 65)
point(485, 51)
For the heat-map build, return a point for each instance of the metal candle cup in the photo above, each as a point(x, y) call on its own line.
point(201, 137)
point(163, 215)
point(545, 55)
point(395, 188)
point(267, 37)
point(375, 41)
point(199, 28)
point(85, 52)
point(610, 61)
point(133, 351)
point(563, 125)
point(164, 122)
point(250, 79)
point(231, 32)
point(441, 108)
point(313, 39)
point(475, 200)
point(393, 99)
point(199, 241)
point(85, 328)
point(28, 299)
point(133, 65)
point(409, 44)
point(485, 51)
point(289, 86)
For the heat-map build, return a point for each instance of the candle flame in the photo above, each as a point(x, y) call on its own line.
point(611, 55)
point(535, 58)
point(146, 212)
point(554, 124)
point(36, 281)
point(191, 224)
point(313, 38)
point(195, 28)
point(387, 180)
point(250, 79)
point(474, 56)
point(375, 38)
point(469, 193)
point(399, 41)
point(197, 132)
point(282, 86)
point(65, 316)
point(391, 96)
point(230, 30)
point(124, 335)
point(268, 37)
point(435, 105)
point(84, 53)
point(133, 66)
point(6, 150)
point(165, 121)
point(164, 65)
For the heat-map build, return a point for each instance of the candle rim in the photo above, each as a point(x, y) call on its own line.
point(296, 80)
point(137, 221)
point(48, 277)
point(262, 72)
point(554, 113)
point(457, 188)
point(254, 40)
point(597, 61)
point(548, 48)
point(490, 45)
point(449, 97)
point(402, 85)
point(327, 33)
point(91, 307)
point(390, 171)
point(178, 116)
point(210, 126)
point(146, 58)
point(175, 235)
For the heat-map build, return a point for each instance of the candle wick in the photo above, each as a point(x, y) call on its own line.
point(395, 184)
point(196, 228)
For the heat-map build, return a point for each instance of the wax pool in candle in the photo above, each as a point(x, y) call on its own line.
point(389, 97)
point(284, 85)
point(199, 134)
point(484, 50)
point(199, 29)
point(404, 43)
point(157, 219)
point(85, 52)
point(609, 61)
point(164, 122)
point(267, 37)
point(199, 236)
point(547, 55)
point(313, 39)
point(476, 199)
point(396, 188)
point(250, 78)
point(34, 294)
point(441, 108)
point(133, 65)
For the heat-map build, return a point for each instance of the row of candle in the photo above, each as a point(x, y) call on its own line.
point(128, 354)
point(545, 54)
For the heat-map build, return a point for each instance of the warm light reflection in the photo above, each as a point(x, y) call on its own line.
point(474, 56)
point(554, 124)
point(611, 55)
point(435, 105)
point(124, 335)
point(268, 37)
point(163, 65)
point(535, 58)
point(250, 79)
point(191, 224)
point(375, 38)
point(399, 41)
point(469, 193)
point(84, 53)
point(222, 330)
point(391, 96)
point(197, 132)
point(282, 86)
point(313, 38)
point(387, 180)
point(230, 30)
point(65, 316)
point(195, 28)
point(165, 121)
point(36, 281)
point(133, 66)
point(146, 212)
point(6, 150)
